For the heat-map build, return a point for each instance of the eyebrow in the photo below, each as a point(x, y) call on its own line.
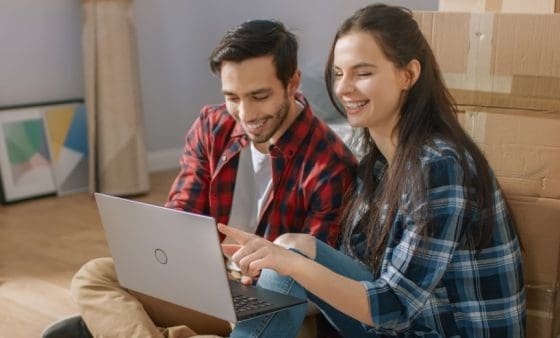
point(251, 93)
point(360, 65)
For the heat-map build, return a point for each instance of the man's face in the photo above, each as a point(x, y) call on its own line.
point(256, 98)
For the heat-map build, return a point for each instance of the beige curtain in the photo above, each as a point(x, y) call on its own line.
point(115, 119)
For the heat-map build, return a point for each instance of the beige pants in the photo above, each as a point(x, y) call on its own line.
point(112, 311)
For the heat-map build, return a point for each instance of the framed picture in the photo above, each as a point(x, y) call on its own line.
point(67, 138)
point(25, 161)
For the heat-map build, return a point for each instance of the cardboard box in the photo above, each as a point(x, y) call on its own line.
point(538, 225)
point(505, 6)
point(497, 60)
point(542, 305)
point(504, 72)
point(523, 149)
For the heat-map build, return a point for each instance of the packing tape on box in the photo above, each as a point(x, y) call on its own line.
point(470, 5)
point(493, 5)
point(475, 125)
point(478, 75)
point(540, 314)
point(540, 300)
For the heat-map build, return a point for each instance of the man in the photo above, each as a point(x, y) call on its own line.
point(265, 136)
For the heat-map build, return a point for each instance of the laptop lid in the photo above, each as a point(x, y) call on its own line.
point(174, 256)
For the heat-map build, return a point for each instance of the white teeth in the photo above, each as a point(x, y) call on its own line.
point(255, 125)
point(355, 104)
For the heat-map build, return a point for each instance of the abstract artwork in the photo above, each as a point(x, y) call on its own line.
point(66, 127)
point(24, 155)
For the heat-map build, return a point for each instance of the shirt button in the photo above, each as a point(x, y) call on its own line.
point(224, 157)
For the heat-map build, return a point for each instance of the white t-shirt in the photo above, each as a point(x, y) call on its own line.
point(253, 184)
point(262, 169)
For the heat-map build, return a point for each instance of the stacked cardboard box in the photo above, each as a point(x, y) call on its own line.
point(504, 72)
point(504, 6)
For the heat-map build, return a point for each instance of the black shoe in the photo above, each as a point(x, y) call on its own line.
point(71, 327)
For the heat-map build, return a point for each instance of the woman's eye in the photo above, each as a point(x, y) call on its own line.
point(363, 74)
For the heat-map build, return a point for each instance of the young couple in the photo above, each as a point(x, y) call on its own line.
point(427, 243)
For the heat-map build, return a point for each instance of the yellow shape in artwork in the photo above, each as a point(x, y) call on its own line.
point(58, 123)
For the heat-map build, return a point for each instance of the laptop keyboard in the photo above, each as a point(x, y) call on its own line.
point(245, 303)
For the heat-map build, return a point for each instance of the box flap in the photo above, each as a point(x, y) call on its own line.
point(497, 60)
point(539, 229)
point(522, 147)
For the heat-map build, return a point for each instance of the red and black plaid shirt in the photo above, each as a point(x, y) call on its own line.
point(311, 170)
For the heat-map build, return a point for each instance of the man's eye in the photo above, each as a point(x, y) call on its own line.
point(261, 97)
point(337, 74)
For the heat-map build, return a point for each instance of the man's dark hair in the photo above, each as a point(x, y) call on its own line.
point(258, 38)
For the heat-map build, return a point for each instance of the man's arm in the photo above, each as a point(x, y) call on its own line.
point(189, 191)
point(327, 199)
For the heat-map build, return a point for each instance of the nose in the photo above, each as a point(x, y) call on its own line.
point(246, 111)
point(343, 86)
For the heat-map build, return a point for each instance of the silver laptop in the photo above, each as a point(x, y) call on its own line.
point(176, 256)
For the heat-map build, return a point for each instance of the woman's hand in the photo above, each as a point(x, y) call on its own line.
point(256, 253)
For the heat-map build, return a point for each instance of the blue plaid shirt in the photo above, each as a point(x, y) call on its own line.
point(433, 287)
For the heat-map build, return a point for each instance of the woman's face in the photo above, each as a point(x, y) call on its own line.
point(368, 85)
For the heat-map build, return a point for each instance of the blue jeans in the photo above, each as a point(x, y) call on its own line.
point(286, 323)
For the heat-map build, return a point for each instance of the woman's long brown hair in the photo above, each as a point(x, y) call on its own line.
point(428, 111)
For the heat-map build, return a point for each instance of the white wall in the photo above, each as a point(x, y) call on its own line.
point(175, 38)
point(40, 51)
point(41, 58)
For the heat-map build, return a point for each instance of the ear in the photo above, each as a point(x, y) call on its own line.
point(411, 74)
point(294, 82)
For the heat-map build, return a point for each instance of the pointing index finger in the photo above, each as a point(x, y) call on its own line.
point(239, 236)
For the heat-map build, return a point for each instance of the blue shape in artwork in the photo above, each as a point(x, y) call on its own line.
point(44, 146)
point(77, 137)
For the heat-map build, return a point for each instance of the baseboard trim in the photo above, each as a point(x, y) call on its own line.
point(164, 159)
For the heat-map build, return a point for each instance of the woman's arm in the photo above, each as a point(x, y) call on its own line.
point(344, 294)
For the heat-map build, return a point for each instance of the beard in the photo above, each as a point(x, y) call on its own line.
point(276, 121)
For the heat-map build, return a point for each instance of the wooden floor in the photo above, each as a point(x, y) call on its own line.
point(43, 242)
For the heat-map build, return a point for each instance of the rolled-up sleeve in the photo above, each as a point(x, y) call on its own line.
point(322, 220)
point(415, 263)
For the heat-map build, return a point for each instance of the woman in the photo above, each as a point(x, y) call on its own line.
point(429, 247)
